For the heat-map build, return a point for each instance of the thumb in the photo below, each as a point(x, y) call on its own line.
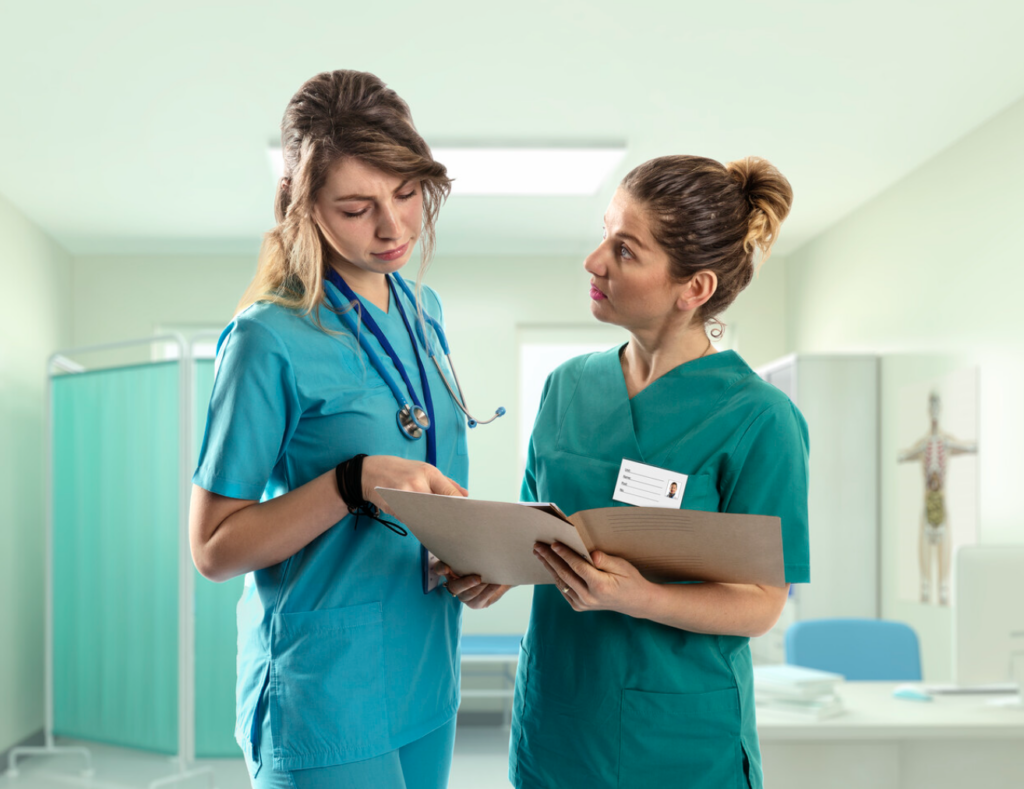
point(444, 486)
point(610, 564)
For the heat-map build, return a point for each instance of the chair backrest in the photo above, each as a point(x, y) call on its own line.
point(859, 649)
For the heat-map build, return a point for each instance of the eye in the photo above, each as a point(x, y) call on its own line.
point(624, 252)
point(353, 216)
point(408, 195)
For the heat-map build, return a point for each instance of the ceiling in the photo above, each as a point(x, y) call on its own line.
point(129, 128)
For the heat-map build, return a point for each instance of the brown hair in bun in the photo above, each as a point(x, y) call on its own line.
point(712, 217)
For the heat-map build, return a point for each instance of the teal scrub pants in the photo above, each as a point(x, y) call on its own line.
point(422, 764)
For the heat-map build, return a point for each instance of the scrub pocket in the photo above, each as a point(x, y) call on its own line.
point(327, 700)
point(681, 739)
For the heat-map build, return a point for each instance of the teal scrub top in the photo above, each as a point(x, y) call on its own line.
point(603, 699)
point(352, 657)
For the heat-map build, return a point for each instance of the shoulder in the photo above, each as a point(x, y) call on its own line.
point(431, 301)
point(759, 405)
point(762, 395)
point(263, 327)
point(568, 373)
point(747, 387)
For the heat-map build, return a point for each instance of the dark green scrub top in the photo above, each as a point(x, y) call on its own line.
point(604, 699)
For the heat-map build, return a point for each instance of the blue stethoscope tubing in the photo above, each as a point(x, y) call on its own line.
point(412, 418)
point(459, 399)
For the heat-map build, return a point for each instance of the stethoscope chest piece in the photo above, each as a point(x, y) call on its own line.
point(413, 421)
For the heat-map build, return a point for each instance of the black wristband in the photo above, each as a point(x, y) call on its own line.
point(349, 476)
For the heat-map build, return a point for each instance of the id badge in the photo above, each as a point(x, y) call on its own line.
point(649, 486)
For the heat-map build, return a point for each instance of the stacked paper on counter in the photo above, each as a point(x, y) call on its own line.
point(802, 691)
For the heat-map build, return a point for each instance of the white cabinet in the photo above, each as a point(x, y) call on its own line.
point(838, 396)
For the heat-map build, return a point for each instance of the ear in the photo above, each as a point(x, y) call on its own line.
point(697, 290)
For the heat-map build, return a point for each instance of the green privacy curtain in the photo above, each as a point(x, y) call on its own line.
point(115, 555)
point(216, 632)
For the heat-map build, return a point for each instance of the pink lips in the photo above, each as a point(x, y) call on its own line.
point(596, 295)
point(392, 254)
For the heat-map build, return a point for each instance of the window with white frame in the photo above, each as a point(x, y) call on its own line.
point(541, 350)
point(201, 339)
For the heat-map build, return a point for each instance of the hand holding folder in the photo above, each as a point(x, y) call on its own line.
point(495, 539)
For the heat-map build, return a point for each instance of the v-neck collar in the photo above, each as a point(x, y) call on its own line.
point(710, 361)
point(600, 423)
point(376, 312)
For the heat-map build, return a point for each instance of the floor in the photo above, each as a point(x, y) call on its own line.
point(481, 762)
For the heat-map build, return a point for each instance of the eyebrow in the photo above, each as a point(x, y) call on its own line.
point(634, 239)
point(627, 236)
point(346, 198)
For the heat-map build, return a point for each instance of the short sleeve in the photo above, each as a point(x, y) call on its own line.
point(253, 411)
point(431, 297)
point(767, 474)
point(528, 491)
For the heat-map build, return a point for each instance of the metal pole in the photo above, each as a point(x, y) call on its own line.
point(186, 586)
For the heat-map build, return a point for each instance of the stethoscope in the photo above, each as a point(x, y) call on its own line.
point(413, 419)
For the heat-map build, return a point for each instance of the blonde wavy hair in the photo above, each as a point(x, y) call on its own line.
point(334, 115)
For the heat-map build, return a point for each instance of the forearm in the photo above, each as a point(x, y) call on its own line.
point(264, 534)
point(714, 608)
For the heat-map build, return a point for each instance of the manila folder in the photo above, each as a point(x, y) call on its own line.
point(495, 539)
point(492, 539)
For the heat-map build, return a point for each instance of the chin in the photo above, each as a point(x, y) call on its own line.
point(388, 266)
point(600, 311)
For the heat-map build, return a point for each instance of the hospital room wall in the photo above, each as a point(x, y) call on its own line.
point(34, 322)
point(929, 274)
point(486, 302)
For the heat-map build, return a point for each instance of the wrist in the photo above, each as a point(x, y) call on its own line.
point(348, 476)
point(644, 601)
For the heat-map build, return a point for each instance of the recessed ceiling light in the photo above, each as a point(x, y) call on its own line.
point(513, 171)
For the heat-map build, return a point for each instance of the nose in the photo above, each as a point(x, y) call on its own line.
point(389, 226)
point(595, 264)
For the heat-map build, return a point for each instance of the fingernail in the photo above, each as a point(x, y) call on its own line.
point(556, 548)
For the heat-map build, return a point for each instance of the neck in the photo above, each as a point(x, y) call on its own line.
point(370, 285)
point(651, 354)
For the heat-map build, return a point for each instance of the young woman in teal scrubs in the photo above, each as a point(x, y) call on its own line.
point(622, 682)
point(348, 671)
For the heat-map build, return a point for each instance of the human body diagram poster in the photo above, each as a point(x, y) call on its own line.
point(937, 482)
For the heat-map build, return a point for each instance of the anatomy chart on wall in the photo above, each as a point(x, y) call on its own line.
point(937, 482)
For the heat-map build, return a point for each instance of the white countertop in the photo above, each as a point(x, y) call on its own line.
point(871, 713)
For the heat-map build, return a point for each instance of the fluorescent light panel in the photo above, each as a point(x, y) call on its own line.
point(519, 171)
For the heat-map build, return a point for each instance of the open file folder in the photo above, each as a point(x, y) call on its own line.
point(495, 539)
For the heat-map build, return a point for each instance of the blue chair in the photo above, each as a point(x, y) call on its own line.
point(859, 649)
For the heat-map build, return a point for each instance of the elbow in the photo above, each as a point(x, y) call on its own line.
point(757, 632)
point(207, 565)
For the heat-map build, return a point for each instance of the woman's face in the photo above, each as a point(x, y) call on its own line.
point(371, 219)
point(630, 282)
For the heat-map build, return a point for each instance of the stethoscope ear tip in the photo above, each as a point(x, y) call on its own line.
point(472, 423)
point(500, 411)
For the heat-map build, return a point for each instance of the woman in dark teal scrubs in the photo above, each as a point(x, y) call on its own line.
point(623, 682)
